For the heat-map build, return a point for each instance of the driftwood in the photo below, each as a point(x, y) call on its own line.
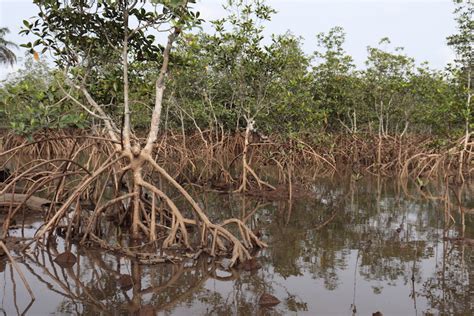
point(33, 203)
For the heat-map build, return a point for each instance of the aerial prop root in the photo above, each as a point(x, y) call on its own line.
point(217, 234)
point(53, 222)
point(215, 238)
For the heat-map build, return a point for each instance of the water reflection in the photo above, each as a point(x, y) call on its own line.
point(350, 248)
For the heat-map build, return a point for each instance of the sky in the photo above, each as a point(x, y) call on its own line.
point(420, 26)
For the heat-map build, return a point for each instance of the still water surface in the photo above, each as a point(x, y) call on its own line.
point(350, 248)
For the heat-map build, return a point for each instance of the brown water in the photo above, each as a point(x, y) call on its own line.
point(352, 248)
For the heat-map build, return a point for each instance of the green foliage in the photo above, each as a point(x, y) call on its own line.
point(230, 71)
point(388, 78)
point(224, 79)
point(32, 101)
point(89, 33)
point(88, 38)
point(221, 79)
point(294, 110)
point(7, 56)
point(335, 83)
point(462, 72)
point(462, 42)
point(431, 103)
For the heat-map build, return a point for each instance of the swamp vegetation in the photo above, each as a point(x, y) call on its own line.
point(158, 167)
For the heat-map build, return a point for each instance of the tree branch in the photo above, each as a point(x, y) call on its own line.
point(160, 87)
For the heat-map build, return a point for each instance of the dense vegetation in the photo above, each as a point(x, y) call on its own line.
point(111, 146)
point(122, 125)
point(218, 80)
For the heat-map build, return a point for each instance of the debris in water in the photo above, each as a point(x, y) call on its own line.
point(125, 282)
point(66, 259)
point(268, 300)
point(251, 265)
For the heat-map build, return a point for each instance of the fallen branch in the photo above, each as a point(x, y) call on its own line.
point(34, 203)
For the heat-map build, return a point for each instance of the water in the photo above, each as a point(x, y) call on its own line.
point(350, 248)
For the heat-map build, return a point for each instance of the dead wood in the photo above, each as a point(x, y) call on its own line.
point(34, 203)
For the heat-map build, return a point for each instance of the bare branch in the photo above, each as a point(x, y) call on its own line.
point(160, 87)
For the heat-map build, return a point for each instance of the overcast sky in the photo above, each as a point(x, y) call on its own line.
point(421, 26)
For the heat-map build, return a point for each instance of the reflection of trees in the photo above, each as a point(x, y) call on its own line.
point(301, 242)
point(92, 285)
point(393, 227)
point(392, 261)
point(450, 289)
point(393, 232)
